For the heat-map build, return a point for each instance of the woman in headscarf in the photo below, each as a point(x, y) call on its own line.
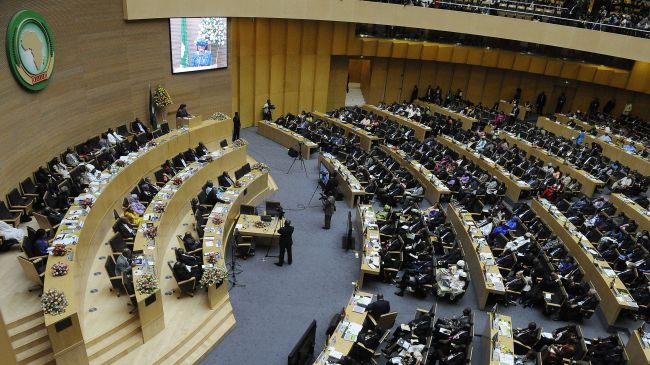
point(135, 205)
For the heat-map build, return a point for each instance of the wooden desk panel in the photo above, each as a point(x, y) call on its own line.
point(420, 129)
point(473, 244)
point(368, 232)
point(336, 342)
point(366, 138)
point(505, 339)
point(348, 184)
point(607, 286)
point(433, 187)
point(435, 108)
point(506, 107)
point(216, 237)
point(514, 186)
point(638, 354)
point(194, 176)
point(632, 210)
point(286, 137)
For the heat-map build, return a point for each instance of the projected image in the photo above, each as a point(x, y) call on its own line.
point(198, 43)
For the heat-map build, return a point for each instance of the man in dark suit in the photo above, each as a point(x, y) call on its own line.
point(236, 126)
point(189, 155)
point(211, 194)
point(286, 241)
point(527, 336)
point(379, 307)
point(541, 101)
point(329, 207)
point(225, 180)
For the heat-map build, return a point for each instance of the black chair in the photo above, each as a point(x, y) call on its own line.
point(28, 188)
point(223, 143)
point(164, 128)
point(247, 209)
point(157, 133)
point(186, 286)
point(122, 130)
point(118, 244)
point(116, 280)
point(19, 202)
point(9, 216)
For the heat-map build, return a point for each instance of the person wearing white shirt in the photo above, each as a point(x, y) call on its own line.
point(71, 158)
point(60, 169)
point(627, 110)
point(113, 138)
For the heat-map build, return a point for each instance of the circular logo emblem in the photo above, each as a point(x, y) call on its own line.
point(30, 49)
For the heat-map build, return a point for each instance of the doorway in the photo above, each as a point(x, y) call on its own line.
point(358, 80)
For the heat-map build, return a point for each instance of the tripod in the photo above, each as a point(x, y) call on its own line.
point(232, 268)
point(314, 193)
point(299, 157)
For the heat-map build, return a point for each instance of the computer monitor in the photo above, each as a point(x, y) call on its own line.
point(273, 208)
point(303, 351)
point(323, 174)
point(239, 174)
point(247, 209)
point(246, 168)
point(223, 143)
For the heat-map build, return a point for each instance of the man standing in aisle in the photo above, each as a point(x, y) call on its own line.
point(285, 242)
point(236, 125)
point(329, 206)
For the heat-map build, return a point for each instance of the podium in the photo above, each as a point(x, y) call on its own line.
point(190, 122)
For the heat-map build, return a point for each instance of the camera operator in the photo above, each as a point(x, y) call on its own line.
point(329, 207)
point(266, 110)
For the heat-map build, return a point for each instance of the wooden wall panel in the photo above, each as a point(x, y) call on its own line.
point(262, 66)
point(427, 75)
point(444, 75)
point(379, 71)
point(475, 83)
point(529, 87)
point(338, 77)
point(411, 77)
point(461, 77)
point(509, 84)
point(492, 88)
point(278, 64)
point(394, 79)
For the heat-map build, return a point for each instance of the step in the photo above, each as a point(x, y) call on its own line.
point(30, 340)
point(25, 319)
point(218, 325)
point(26, 326)
point(120, 335)
point(44, 360)
point(100, 339)
point(114, 353)
point(211, 342)
point(34, 352)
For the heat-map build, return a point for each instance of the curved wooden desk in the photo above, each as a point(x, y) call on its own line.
point(506, 107)
point(433, 187)
point(498, 334)
point(216, 237)
point(589, 182)
point(348, 183)
point(420, 129)
point(176, 198)
point(65, 329)
point(486, 278)
point(637, 352)
point(341, 341)
point(514, 185)
point(366, 138)
point(610, 288)
point(610, 149)
point(632, 210)
point(286, 137)
point(467, 121)
point(370, 242)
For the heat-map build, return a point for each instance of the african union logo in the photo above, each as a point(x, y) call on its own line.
point(30, 49)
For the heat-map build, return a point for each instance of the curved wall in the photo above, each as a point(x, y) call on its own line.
point(357, 11)
point(103, 68)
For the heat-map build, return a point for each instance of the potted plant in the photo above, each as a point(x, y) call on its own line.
point(161, 100)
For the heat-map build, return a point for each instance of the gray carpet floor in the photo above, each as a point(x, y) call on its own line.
point(277, 304)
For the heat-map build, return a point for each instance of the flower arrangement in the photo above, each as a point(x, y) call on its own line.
point(177, 180)
point(219, 116)
point(159, 207)
point(161, 97)
point(208, 158)
point(213, 276)
point(53, 302)
point(262, 224)
point(217, 219)
point(152, 143)
point(59, 250)
point(238, 184)
point(59, 269)
point(214, 30)
point(146, 284)
point(120, 163)
point(239, 143)
point(86, 203)
point(151, 232)
point(212, 257)
point(261, 167)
